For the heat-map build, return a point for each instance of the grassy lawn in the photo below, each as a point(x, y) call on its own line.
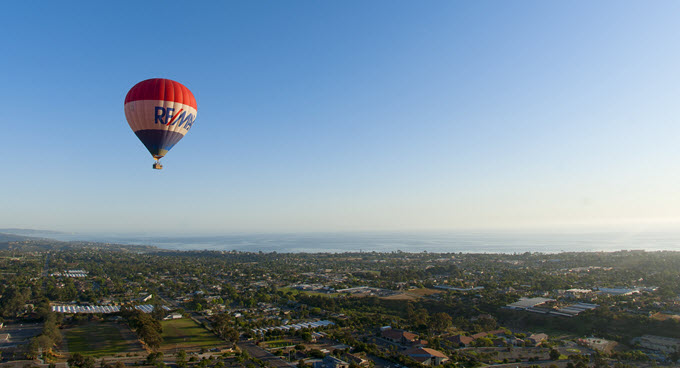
point(98, 339)
point(186, 334)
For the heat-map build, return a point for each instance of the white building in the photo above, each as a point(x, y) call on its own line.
point(618, 291)
point(526, 303)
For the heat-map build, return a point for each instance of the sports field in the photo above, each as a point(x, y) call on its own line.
point(186, 334)
point(99, 339)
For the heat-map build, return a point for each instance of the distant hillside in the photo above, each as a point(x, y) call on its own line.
point(4, 238)
point(33, 244)
point(29, 231)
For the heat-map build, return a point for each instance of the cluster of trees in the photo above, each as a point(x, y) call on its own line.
point(147, 328)
point(603, 321)
point(13, 300)
point(80, 361)
point(50, 335)
point(223, 326)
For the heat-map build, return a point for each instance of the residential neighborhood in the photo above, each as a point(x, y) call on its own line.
point(144, 306)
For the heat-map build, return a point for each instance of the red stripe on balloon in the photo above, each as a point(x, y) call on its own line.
point(161, 89)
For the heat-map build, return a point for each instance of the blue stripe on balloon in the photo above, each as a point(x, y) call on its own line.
point(158, 142)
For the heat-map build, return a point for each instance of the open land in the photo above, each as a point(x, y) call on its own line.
point(187, 334)
point(101, 339)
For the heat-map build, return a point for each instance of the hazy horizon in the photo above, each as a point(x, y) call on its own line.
point(413, 242)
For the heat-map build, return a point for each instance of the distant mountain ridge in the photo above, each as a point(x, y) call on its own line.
point(23, 243)
point(4, 238)
point(29, 231)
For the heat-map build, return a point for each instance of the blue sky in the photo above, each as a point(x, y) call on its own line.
point(344, 116)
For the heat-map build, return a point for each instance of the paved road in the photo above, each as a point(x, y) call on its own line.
point(257, 352)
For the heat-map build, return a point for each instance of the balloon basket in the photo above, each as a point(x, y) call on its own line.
point(157, 165)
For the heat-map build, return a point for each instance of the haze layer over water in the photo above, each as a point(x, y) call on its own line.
point(438, 242)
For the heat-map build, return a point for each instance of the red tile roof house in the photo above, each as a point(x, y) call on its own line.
point(461, 340)
point(400, 336)
point(419, 343)
point(487, 333)
point(479, 335)
point(426, 356)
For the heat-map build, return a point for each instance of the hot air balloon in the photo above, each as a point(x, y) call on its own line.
point(160, 112)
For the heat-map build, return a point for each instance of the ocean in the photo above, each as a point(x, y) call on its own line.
point(415, 242)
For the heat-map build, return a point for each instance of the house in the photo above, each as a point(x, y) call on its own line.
point(419, 343)
point(4, 337)
point(356, 359)
point(536, 339)
point(479, 335)
point(461, 340)
point(409, 338)
point(618, 291)
point(173, 316)
point(426, 356)
point(400, 336)
point(330, 361)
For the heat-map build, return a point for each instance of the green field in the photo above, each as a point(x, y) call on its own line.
point(186, 334)
point(98, 339)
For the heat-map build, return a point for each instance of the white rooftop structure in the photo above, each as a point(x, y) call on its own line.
point(298, 326)
point(99, 309)
point(575, 309)
point(525, 303)
point(579, 291)
point(618, 291)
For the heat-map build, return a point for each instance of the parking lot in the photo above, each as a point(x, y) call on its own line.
point(19, 334)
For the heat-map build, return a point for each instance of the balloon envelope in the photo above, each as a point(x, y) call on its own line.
point(160, 112)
